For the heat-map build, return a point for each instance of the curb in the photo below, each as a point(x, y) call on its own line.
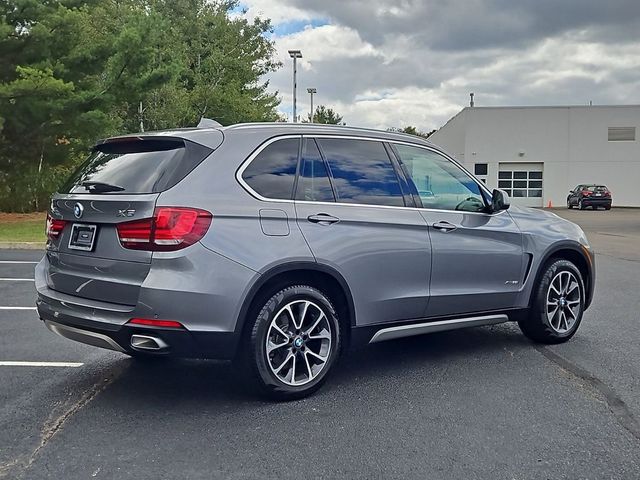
point(22, 245)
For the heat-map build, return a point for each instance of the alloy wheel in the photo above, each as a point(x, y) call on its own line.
point(298, 343)
point(563, 302)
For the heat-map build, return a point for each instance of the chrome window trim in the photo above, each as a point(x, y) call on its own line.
point(245, 164)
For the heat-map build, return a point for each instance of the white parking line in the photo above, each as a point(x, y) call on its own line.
point(17, 308)
point(17, 280)
point(41, 364)
point(17, 261)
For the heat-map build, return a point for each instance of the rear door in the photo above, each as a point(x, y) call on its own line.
point(477, 256)
point(352, 211)
point(119, 182)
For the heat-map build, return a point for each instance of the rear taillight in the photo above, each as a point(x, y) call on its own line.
point(171, 228)
point(607, 193)
point(54, 227)
point(586, 193)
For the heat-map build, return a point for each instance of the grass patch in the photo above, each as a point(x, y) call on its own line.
point(22, 228)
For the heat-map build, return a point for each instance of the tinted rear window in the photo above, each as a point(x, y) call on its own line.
point(273, 172)
point(139, 166)
point(595, 188)
point(313, 184)
point(362, 172)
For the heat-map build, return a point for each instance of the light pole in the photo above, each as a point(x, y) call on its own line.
point(295, 54)
point(311, 91)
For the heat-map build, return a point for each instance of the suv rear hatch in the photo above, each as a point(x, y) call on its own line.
point(119, 182)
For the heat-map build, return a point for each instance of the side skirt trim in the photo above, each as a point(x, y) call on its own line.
point(432, 327)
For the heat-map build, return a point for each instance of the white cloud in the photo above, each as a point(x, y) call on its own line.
point(278, 11)
point(408, 62)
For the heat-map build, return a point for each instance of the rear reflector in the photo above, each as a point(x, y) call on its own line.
point(171, 228)
point(156, 323)
point(54, 227)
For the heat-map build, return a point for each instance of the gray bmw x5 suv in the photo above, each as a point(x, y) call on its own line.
point(278, 245)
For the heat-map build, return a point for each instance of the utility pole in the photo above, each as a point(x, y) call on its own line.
point(295, 54)
point(140, 116)
point(311, 91)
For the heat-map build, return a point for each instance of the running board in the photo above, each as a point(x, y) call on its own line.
point(439, 326)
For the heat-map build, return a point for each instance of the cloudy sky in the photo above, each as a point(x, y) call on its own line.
point(410, 62)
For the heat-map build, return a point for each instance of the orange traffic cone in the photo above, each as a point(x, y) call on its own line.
point(549, 204)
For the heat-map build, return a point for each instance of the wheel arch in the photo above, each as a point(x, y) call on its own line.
point(576, 254)
point(323, 277)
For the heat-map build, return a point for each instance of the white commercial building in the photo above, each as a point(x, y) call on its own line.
point(538, 154)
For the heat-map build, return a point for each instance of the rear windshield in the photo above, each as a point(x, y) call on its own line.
point(595, 188)
point(137, 166)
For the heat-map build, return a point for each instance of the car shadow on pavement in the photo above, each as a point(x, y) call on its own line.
point(203, 381)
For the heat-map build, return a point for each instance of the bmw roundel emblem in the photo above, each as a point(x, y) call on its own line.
point(78, 209)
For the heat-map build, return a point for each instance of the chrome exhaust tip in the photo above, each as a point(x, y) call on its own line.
point(146, 342)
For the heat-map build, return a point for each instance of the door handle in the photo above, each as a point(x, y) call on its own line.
point(445, 227)
point(323, 219)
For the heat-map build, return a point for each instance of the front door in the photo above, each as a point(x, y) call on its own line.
point(351, 209)
point(477, 256)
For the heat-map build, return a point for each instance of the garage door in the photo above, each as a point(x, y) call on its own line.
point(523, 182)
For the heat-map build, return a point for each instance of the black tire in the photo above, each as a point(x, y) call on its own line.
point(536, 324)
point(254, 359)
point(569, 206)
point(581, 205)
point(608, 207)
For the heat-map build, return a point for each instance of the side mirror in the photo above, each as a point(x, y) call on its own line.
point(499, 200)
point(571, 191)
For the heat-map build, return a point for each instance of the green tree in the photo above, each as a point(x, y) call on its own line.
point(412, 131)
point(67, 65)
point(77, 70)
point(325, 115)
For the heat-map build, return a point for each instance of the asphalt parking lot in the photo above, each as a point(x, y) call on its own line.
point(482, 403)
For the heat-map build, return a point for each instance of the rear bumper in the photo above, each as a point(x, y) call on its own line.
point(596, 202)
point(177, 342)
point(104, 325)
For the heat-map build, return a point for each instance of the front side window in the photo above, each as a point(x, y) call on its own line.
point(273, 172)
point(313, 184)
point(362, 172)
point(441, 184)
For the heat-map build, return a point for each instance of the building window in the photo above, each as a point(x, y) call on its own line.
point(521, 184)
point(622, 134)
point(480, 169)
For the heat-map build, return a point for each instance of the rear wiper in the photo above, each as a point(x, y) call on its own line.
point(101, 187)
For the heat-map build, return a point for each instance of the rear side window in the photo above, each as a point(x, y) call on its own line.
point(273, 172)
point(362, 172)
point(137, 166)
point(313, 184)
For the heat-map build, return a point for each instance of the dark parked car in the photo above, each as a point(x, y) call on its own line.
point(594, 196)
point(278, 245)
